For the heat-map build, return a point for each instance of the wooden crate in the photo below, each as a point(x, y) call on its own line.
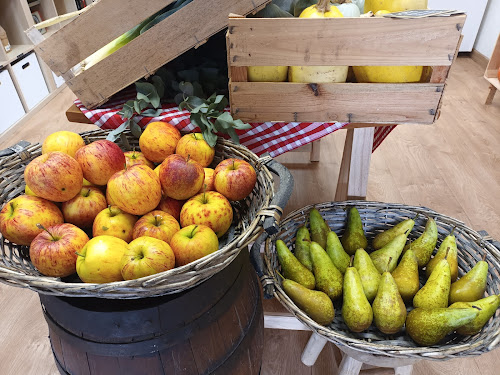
point(430, 42)
point(108, 19)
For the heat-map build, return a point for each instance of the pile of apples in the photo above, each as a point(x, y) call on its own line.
point(110, 215)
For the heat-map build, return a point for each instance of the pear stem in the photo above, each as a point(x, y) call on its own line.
point(278, 272)
point(351, 261)
point(484, 257)
point(40, 226)
point(452, 230)
point(416, 216)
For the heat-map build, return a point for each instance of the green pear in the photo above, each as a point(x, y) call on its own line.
point(436, 290)
point(429, 326)
point(354, 236)
point(356, 310)
point(302, 244)
point(389, 310)
point(472, 285)
point(317, 305)
point(328, 278)
point(387, 236)
point(449, 245)
point(292, 268)
point(336, 252)
point(488, 306)
point(368, 273)
point(424, 245)
point(319, 227)
point(406, 276)
point(393, 249)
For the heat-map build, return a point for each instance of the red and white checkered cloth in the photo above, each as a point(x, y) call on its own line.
point(273, 137)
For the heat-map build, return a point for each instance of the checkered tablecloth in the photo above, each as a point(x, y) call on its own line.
point(273, 137)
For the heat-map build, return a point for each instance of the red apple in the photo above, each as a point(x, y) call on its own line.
point(55, 176)
point(99, 261)
point(194, 146)
point(146, 256)
point(159, 140)
point(211, 209)
point(100, 160)
point(234, 178)
point(193, 242)
point(82, 209)
point(135, 157)
point(135, 190)
point(157, 224)
point(64, 141)
point(208, 183)
point(20, 216)
point(53, 251)
point(171, 206)
point(114, 222)
point(181, 178)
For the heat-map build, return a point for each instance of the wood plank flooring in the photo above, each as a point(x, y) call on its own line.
point(451, 167)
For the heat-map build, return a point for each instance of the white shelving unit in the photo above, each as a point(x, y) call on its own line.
point(26, 78)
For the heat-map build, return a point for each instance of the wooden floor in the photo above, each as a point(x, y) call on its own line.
point(450, 167)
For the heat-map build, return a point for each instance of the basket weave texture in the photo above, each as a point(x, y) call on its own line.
point(376, 218)
point(17, 270)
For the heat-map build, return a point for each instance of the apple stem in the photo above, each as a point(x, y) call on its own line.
point(87, 193)
point(40, 226)
point(156, 220)
point(192, 232)
point(189, 157)
point(125, 166)
point(205, 193)
point(80, 255)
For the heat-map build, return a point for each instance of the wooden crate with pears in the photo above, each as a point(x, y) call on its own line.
point(317, 52)
point(387, 279)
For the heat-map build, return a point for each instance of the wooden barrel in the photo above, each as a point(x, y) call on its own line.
point(214, 328)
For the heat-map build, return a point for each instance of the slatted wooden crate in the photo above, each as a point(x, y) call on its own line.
point(430, 42)
point(108, 19)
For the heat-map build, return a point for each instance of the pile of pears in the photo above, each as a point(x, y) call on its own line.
point(381, 286)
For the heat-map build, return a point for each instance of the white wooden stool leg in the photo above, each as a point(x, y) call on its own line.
point(313, 348)
point(349, 366)
point(403, 370)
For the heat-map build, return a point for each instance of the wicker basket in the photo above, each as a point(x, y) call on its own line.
point(249, 219)
point(377, 217)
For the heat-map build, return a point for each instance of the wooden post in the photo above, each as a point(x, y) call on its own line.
point(313, 349)
point(491, 95)
point(315, 151)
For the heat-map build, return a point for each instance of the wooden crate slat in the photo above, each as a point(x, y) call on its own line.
point(345, 102)
point(161, 44)
point(93, 30)
point(346, 41)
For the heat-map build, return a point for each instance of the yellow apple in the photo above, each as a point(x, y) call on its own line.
point(146, 256)
point(99, 261)
point(159, 140)
point(114, 222)
point(20, 216)
point(53, 251)
point(136, 157)
point(135, 190)
point(157, 224)
point(64, 141)
point(195, 147)
point(84, 207)
point(234, 178)
point(28, 191)
point(192, 243)
point(55, 176)
point(211, 209)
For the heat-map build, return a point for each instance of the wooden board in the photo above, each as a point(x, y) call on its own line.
point(344, 102)
point(494, 63)
point(105, 21)
point(344, 41)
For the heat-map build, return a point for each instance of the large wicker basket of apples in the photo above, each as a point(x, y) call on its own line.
point(387, 279)
point(84, 216)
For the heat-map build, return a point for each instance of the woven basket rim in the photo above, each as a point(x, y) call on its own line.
point(376, 348)
point(197, 269)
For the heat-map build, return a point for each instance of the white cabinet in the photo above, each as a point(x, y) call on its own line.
point(30, 79)
point(473, 9)
point(11, 108)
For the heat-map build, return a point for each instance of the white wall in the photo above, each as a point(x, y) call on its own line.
point(490, 27)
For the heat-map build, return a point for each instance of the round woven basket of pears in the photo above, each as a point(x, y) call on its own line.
point(387, 279)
